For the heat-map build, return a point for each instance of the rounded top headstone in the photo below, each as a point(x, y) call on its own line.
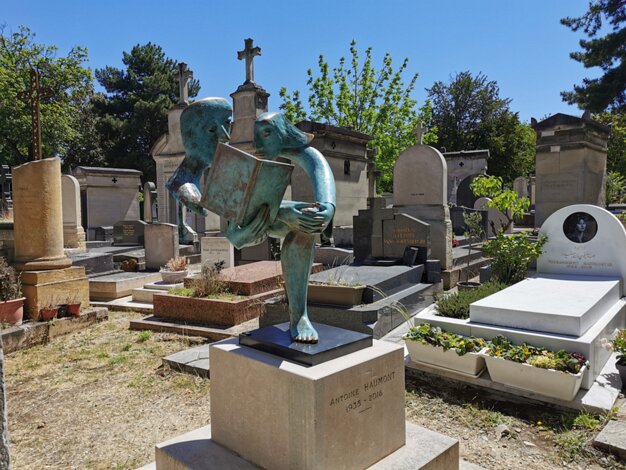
point(583, 240)
point(420, 177)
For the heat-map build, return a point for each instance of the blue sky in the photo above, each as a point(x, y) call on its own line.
point(518, 43)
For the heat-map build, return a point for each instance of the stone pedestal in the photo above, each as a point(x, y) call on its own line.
point(52, 287)
point(345, 413)
point(38, 216)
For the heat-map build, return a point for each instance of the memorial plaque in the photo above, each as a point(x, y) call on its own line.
point(129, 232)
point(216, 249)
point(401, 232)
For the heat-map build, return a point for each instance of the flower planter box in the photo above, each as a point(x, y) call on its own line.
point(173, 277)
point(472, 363)
point(220, 312)
point(547, 382)
point(335, 295)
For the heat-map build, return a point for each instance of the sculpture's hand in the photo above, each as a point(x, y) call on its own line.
point(252, 233)
point(190, 196)
point(306, 217)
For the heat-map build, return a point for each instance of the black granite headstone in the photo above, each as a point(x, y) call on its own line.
point(129, 232)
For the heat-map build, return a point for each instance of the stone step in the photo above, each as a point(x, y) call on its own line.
point(392, 311)
point(115, 286)
point(424, 449)
point(450, 277)
point(461, 254)
point(146, 293)
point(194, 259)
point(186, 250)
point(377, 318)
point(93, 262)
point(381, 280)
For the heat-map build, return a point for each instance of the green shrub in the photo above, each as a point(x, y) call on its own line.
point(435, 336)
point(619, 346)
point(512, 254)
point(457, 305)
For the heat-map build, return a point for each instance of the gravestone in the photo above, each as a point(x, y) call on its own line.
point(161, 244)
point(73, 232)
point(520, 186)
point(129, 232)
point(108, 195)
point(570, 163)
point(575, 301)
point(420, 190)
point(149, 202)
point(347, 155)
point(381, 233)
point(494, 216)
point(217, 249)
point(462, 167)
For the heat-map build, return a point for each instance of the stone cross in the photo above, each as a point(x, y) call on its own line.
point(34, 95)
point(420, 130)
point(184, 74)
point(249, 53)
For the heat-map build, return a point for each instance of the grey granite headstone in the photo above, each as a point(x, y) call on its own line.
point(129, 232)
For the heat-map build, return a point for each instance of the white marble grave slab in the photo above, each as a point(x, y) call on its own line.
point(560, 304)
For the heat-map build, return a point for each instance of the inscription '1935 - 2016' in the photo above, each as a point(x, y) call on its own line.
point(354, 399)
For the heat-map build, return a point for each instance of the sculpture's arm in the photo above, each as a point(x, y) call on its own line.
point(253, 233)
point(311, 220)
point(184, 184)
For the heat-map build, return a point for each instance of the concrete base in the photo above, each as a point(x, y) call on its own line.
point(613, 439)
point(196, 450)
point(53, 287)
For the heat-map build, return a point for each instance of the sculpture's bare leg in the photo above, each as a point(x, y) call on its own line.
point(296, 261)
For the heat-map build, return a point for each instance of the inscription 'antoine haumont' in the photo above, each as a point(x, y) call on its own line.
point(356, 398)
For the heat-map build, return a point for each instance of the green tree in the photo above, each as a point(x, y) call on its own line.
point(469, 114)
point(607, 92)
point(505, 200)
point(66, 84)
point(373, 101)
point(132, 113)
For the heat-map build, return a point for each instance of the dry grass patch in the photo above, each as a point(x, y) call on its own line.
point(99, 398)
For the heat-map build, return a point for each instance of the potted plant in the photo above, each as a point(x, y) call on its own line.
point(619, 346)
point(11, 300)
point(443, 349)
point(49, 310)
point(335, 293)
point(175, 270)
point(552, 374)
point(73, 306)
point(474, 231)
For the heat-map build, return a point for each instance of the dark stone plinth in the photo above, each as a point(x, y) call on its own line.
point(333, 343)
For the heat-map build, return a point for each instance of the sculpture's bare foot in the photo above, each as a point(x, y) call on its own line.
point(303, 331)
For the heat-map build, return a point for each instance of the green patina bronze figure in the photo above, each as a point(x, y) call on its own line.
point(203, 124)
point(297, 222)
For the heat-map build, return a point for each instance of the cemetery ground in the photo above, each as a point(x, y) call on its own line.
point(100, 399)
